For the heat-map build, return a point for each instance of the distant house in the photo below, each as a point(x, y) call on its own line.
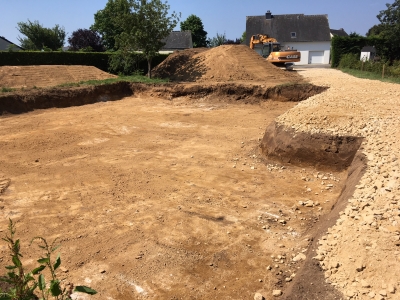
point(368, 53)
point(338, 32)
point(5, 45)
point(309, 34)
point(177, 40)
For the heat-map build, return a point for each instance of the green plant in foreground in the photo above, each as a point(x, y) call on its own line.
point(22, 285)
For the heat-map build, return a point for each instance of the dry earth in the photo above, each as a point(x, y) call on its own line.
point(360, 254)
point(47, 76)
point(159, 199)
point(172, 199)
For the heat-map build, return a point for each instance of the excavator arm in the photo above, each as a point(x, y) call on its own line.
point(261, 39)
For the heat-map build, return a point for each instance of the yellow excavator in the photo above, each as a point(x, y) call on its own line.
point(271, 50)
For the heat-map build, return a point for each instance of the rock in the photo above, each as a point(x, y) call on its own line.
point(360, 267)
point(391, 289)
point(371, 294)
point(365, 284)
point(383, 293)
point(276, 293)
point(299, 257)
point(64, 270)
point(258, 296)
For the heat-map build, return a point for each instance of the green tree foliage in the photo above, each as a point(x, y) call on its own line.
point(195, 25)
point(39, 37)
point(145, 27)
point(390, 25)
point(85, 40)
point(105, 21)
point(243, 37)
point(376, 30)
point(218, 40)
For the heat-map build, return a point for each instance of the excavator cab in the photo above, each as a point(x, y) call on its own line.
point(267, 48)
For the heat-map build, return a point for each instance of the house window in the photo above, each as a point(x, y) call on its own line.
point(293, 35)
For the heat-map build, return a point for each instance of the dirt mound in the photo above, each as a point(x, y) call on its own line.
point(44, 76)
point(223, 63)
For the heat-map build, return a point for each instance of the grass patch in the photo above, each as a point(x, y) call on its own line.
point(132, 78)
point(6, 90)
point(369, 75)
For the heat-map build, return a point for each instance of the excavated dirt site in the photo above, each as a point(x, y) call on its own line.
point(236, 180)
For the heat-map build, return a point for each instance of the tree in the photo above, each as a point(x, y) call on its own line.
point(390, 25)
point(84, 40)
point(145, 27)
point(39, 37)
point(195, 25)
point(218, 40)
point(375, 30)
point(243, 37)
point(105, 21)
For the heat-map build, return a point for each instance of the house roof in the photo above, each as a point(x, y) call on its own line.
point(307, 28)
point(3, 38)
point(368, 49)
point(339, 32)
point(178, 40)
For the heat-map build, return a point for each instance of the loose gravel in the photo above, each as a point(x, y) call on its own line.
point(361, 253)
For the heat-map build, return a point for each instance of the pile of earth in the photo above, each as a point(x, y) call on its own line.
point(221, 64)
point(45, 76)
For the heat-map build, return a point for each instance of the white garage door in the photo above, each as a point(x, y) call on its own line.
point(316, 57)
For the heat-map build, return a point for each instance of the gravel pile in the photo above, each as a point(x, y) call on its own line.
point(360, 255)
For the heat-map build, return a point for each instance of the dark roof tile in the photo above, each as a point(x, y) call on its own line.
point(178, 40)
point(308, 28)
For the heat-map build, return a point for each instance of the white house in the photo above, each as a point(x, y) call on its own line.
point(309, 34)
point(5, 44)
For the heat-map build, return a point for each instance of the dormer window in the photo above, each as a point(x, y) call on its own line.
point(293, 35)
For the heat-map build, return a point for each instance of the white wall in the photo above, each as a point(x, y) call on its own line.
point(306, 47)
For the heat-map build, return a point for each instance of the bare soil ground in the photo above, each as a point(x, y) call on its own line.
point(163, 195)
point(168, 198)
point(48, 76)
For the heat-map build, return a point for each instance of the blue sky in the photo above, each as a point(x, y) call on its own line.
point(218, 16)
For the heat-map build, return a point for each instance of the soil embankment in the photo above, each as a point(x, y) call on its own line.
point(48, 75)
point(25, 101)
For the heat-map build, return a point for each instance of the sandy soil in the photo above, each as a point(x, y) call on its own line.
point(47, 76)
point(159, 199)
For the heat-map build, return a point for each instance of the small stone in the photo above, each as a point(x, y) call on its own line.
point(258, 296)
point(276, 293)
point(288, 279)
point(391, 289)
point(371, 294)
point(64, 270)
point(102, 271)
point(365, 284)
point(299, 257)
point(383, 293)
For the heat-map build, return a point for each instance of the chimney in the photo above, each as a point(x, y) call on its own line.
point(268, 15)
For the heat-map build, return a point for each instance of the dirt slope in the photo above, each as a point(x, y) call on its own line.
point(44, 76)
point(223, 63)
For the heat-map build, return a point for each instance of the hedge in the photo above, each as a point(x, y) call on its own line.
point(345, 45)
point(96, 59)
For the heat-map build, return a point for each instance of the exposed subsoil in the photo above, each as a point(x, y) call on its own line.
point(48, 76)
point(176, 191)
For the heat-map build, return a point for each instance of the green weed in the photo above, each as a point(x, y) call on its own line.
point(23, 285)
point(6, 90)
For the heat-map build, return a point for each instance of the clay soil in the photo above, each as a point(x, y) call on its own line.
point(165, 197)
